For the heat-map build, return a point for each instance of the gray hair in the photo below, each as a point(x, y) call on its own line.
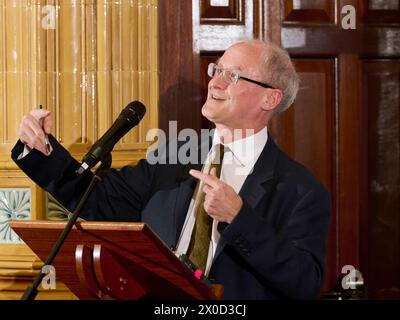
point(279, 72)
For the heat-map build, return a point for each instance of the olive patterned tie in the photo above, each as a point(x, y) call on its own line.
point(201, 234)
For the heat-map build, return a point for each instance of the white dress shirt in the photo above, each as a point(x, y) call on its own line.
point(237, 164)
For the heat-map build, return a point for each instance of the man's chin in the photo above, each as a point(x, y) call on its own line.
point(208, 113)
point(212, 106)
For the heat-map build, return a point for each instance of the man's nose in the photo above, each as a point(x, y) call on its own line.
point(218, 82)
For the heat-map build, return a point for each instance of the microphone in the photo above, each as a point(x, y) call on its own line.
point(128, 118)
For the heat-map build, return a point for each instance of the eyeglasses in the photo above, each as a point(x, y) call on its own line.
point(231, 76)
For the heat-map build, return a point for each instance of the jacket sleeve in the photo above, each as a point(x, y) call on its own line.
point(120, 196)
point(290, 258)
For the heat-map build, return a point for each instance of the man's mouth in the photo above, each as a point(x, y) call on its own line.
point(216, 97)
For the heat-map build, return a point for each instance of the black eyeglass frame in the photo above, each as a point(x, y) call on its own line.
point(264, 85)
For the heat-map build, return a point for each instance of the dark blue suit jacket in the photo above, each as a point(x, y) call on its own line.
point(273, 249)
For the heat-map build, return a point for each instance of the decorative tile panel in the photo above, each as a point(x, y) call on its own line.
point(15, 204)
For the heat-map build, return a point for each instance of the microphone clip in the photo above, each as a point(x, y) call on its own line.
point(106, 162)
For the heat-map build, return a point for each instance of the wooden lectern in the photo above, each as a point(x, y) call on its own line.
point(115, 260)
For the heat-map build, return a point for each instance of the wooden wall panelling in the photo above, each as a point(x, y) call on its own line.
point(180, 97)
point(349, 159)
point(310, 11)
point(309, 37)
point(307, 132)
point(381, 12)
point(375, 40)
point(381, 233)
point(380, 236)
point(224, 12)
point(316, 107)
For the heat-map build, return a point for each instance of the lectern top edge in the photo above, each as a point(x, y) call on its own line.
point(85, 225)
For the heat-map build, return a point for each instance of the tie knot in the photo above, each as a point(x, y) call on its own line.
point(220, 150)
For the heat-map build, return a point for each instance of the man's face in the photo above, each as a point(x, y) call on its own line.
point(237, 106)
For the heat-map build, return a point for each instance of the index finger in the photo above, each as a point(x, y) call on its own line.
point(208, 179)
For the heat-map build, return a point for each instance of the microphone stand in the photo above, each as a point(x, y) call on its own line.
point(32, 291)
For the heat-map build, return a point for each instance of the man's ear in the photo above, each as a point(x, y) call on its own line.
point(272, 99)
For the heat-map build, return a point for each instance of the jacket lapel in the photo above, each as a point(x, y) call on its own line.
point(183, 198)
point(258, 184)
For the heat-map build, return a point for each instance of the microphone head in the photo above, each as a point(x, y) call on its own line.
point(128, 118)
point(134, 111)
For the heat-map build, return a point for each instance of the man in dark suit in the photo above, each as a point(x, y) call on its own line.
point(266, 216)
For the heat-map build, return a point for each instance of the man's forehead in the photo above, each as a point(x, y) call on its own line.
point(227, 65)
point(240, 57)
point(238, 66)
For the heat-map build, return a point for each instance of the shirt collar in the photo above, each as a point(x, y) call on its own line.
point(246, 150)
